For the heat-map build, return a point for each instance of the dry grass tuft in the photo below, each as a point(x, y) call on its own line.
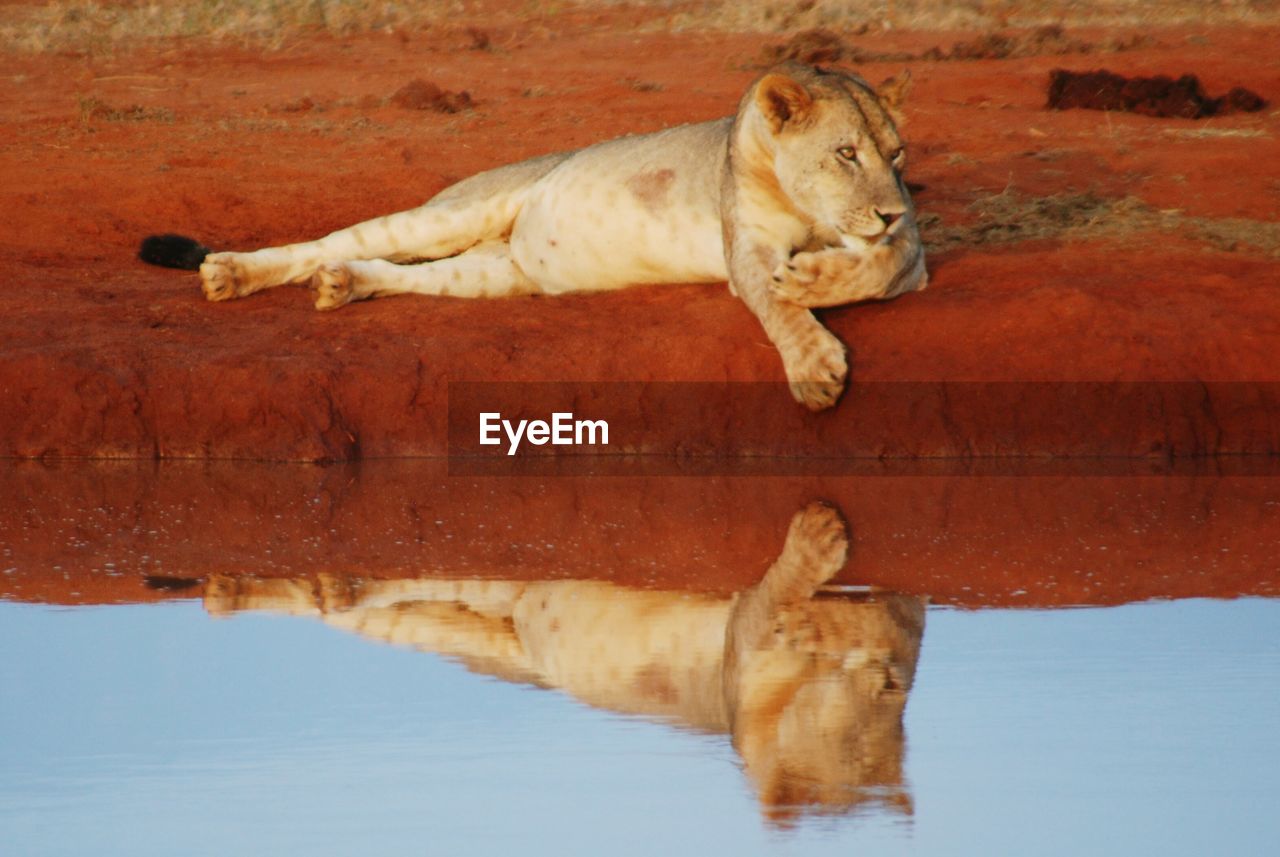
point(76, 25)
point(825, 46)
point(1209, 133)
point(89, 26)
point(779, 16)
point(1009, 217)
point(92, 108)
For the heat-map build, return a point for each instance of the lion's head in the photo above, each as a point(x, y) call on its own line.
point(838, 155)
point(819, 705)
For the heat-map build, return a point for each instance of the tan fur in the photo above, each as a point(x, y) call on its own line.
point(797, 200)
point(811, 689)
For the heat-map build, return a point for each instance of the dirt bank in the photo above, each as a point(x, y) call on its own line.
point(1154, 259)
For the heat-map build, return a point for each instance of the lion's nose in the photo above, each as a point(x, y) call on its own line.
point(888, 218)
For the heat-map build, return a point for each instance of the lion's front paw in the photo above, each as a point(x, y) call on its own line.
point(793, 279)
point(332, 286)
point(819, 532)
point(814, 279)
point(817, 373)
point(221, 277)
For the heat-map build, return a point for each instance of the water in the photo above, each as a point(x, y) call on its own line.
point(569, 692)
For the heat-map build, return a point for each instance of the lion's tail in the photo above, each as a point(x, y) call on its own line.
point(173, 251)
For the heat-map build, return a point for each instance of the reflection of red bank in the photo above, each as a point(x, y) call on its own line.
point(93, 532)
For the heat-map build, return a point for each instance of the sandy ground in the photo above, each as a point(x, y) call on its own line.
point(1066, 245)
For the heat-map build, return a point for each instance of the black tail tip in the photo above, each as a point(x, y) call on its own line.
point(173, 251)
point(163, 583)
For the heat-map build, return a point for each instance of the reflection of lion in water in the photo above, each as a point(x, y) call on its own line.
point(811, 687)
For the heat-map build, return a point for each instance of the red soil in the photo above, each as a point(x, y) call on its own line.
point(110, 532)
point(102, 356)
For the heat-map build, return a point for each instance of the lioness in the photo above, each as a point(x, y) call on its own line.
point(798, 201)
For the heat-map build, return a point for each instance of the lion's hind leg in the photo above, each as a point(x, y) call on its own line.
point(473, 212)
point(433, 231)
point(485, 271)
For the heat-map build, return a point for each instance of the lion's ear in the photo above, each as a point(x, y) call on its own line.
point(782, 99)
point(893, 94)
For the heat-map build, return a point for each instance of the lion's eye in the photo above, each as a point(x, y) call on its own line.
point(849, 153)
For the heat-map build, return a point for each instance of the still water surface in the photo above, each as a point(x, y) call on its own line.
point(155, 729)
point(788, 703)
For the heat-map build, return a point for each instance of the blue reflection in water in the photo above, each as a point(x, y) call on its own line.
point(152, 730)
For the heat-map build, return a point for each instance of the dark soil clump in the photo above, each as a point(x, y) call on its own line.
point(1183, 98)
point(419, 94)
